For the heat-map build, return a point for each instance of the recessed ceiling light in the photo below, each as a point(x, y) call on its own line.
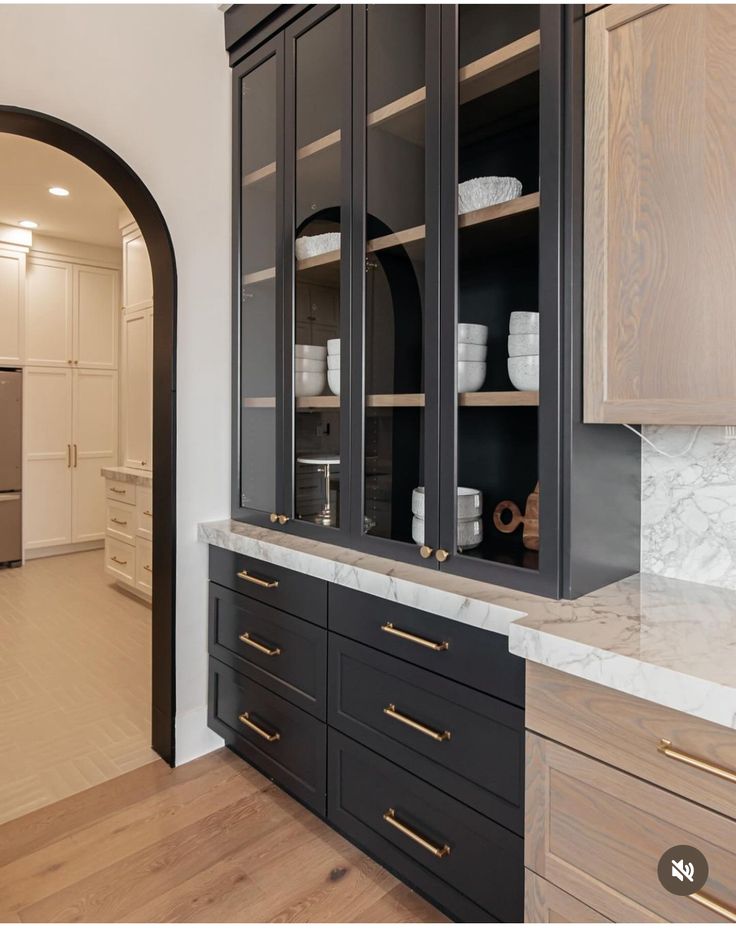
point(27, 223)
point(58, 191)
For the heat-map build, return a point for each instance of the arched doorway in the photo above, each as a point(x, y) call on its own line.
point(142, 205)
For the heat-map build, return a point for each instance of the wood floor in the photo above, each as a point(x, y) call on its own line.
point(75, 685)
point(210, 841)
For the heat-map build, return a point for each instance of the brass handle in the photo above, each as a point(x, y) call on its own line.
point(143, 462)
point(439, 735)
point(727, 912)
point(75, 456)
point(274, 517)
point(118, 561)
point(266, 650)
point(425, 551)
point(147, 567)
point(281, 519)
point(68, 361)
point(390, 816)
point(147, 513)
point(68, 456)
point(245, 719)
point(244, 575)
point(420, 640)
point(118, 521)
point(441, 555)
point(76, 361)
point(119, 491)
point(665, 747)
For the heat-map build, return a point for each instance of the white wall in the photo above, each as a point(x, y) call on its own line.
point(152, 82)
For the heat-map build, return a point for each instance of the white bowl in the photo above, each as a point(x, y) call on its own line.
point(333, 361)
point(524, 372)
point(310, 352)
point(474, 333)
point(524, 344)
point(523, 321)
point(469, 502)
point(470, 352)
point(307, 384)
point(333, 347)
point(470, 376)
point(333, 380)
point(469, 533)
point(309, 365)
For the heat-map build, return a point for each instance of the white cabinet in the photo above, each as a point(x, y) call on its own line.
point(94, 445)
point(136, 386)
point(48, 315)
point(128, 544)
point(96, 307)
point(137, 277)
point(12, 304)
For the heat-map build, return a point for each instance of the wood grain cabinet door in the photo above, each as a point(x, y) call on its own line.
point(660, 226)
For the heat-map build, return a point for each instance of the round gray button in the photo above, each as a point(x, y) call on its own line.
point(682, 870)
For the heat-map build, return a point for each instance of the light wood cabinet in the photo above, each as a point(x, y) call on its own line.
point(660, 227)
point(545, 903)
point(12, 304)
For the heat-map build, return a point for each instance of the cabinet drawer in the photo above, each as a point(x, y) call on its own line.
point(280, 740)
point(479, 878)
point(476, 752)
point(120, 560)
point(144, 565)
point(120, 492)
point(144, 512)
point(279, 587)
point(246, 635)
point(626, 732)
point(598, 834)
point(120, 521)
point(545, 903)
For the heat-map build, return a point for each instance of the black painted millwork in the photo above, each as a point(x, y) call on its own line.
point(296, 760)
point(296, 593)
point(484, 870)
point(481, 763)
point(248, 26)
point(298, 672)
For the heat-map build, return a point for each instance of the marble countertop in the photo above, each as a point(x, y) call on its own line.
point(668, 641)
point(126, 474)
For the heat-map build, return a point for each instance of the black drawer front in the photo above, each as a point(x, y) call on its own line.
point(295, 759)
point(475, 657)
point(484, 869)
point(292, 592)
point(285, 654)
point(479, 757)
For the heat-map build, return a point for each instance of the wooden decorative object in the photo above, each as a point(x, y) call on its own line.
point(530, 519)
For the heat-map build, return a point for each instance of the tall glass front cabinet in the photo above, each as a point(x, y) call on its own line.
point(407, 295)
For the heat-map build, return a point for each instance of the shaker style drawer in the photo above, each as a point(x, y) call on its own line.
point(279, 587)
point(598, 834)
point(473, 656)
point(463, 862)
point(687, 755)
point(144, 565)
point(545, 903)
point(144, 510)
point(468, 744)
point(280, 740)
point(120, 492)
point(285, 654)
point(120, 560)
point(120, 521)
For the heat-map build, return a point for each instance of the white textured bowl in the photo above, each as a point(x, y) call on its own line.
point(469, 533)
point(523, 321)
point(470, 376)
point(333, 380)
point(307, 384)
point(333, 362)
point(524, 344)
point(524, 372)
point(474, 333)
point(309, 365)
point(310, 352)
point(469, 502)
point(333, 347)
point(469, 352)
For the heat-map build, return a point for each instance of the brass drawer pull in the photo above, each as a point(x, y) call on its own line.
point(68, 456)
point(119, 491)
point(390, 816)
point(245, 719)
point(244, 575)
point(118, 561)
point(420, 641)
point(147, 513)
point(727, 912)
point(118, 521)
point(147, 567)
point(440, 735)
point(266, 650)
point(665, 747)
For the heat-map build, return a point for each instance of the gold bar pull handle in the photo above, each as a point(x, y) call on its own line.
point(266, 650)
point(261, 581)
point(120, 492)
point(68, 456)
point(390, 816)
point(117, 521)
point(411, 637)
point(147, 513)
point(147, 567)
point(665, 747)
point(715, 906)
point(244, 718)
point(439, 735)
point(75, 456)
point(118, 561)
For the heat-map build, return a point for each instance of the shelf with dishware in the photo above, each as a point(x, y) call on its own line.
point(467, 399)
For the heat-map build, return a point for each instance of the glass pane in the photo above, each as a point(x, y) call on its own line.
point(319, 87)
point(394, 277)
point(498, 293)
point(258, 297)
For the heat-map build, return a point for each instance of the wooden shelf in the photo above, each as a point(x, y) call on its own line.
point(498, 399)
point(476, 399)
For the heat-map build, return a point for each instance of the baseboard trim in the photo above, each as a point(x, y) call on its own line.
point(31, 554)
point(193, 736)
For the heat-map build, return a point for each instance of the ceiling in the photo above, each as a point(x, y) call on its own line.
point(27, 170)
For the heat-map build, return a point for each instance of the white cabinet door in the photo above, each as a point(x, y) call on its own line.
point(95, 317)
point(137, 387)
point(137, 277)
point(48, 314)
point(94, 445)
point(12, 297)
point(47, 431)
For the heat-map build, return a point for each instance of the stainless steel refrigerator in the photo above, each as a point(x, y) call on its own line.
point(11, 449)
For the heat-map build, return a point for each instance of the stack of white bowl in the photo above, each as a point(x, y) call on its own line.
point(472, 346)
point(333, 365)
point(310, 363)
point(523, 347)
point(469, 512)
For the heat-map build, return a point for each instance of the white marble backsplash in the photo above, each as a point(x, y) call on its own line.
point(688, 520)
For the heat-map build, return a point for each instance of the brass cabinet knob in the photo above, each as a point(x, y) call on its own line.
point(441, 554)
point(274, 517)
point(425, 551)
point(283, 519)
